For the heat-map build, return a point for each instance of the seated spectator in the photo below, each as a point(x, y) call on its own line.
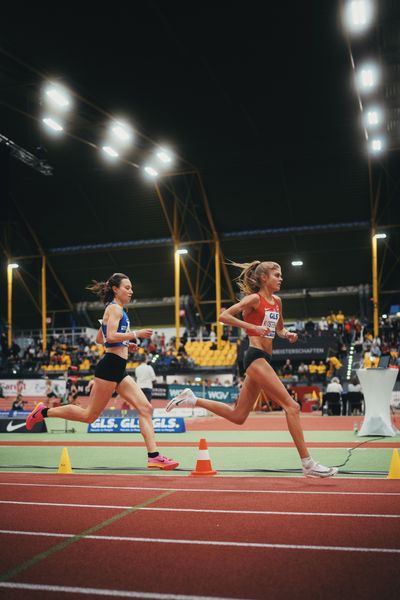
point(313, 371)
point(321, 370)
point(287, 369)
point(323, 325)
point(18, 403)
point(340, 320)
point(354, 385)
point(302, 372)
point(334, 386)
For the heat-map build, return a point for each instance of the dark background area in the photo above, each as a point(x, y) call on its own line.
point(263, 106)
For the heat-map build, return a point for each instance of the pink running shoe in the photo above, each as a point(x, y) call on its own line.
point(162, 462)
point(36, 416)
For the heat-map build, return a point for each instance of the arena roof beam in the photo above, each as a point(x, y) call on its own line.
point(26, 157)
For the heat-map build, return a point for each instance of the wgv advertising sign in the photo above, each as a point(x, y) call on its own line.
point(220, 393)
point(131, 425)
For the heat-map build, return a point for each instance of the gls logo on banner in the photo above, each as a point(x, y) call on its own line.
point(131, 425)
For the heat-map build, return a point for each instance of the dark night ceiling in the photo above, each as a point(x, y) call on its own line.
point(265, 109)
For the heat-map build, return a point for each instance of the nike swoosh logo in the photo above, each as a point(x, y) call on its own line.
point(12, 427)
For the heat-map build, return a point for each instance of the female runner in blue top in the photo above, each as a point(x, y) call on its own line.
point(262, 319)
point(110, 373)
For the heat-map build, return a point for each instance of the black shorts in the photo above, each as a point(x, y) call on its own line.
point(147, 392)
point(111, 368)
point(252, 354)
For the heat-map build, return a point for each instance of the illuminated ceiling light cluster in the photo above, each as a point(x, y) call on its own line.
point(297, 263)
point(119, 138)
point(163, 159)
point(358, 17)
point(57, 101)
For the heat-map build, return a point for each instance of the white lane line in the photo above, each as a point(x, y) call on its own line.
point(207, 510)
point(105, 592)
point(117, 538)
point(201, 490)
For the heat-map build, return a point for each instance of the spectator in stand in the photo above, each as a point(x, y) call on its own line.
point(213, 337)
point(299, 326)
point(287, 369)
point(162, 341)
point(321, 370)
point(354, 385)
point(334, 386)
point(331, 319)
point(340, 321)
point(334, 365)
point(309, 327)
point(323, 325)
point(302, 372)
point(145, 377)
point(376, 347)
point(18, 403)
point(313, 371)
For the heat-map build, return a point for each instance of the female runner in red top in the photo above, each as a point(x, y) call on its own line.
point(262, 320)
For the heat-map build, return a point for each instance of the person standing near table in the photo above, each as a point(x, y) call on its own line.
point(145, 377)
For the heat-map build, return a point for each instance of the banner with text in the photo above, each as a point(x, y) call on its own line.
point(214, 392)
point(131, 425)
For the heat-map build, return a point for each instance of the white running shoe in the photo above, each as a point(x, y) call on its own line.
point(185, 399)
point(314, 469)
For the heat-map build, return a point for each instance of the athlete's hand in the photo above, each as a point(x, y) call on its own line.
point(132, 347)
point(292, 337)
point(144, 333)
point(261, 330)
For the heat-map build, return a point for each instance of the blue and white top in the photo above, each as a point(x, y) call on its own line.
point(123, 327)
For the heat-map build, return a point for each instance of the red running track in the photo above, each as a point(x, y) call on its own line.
point(347, 545)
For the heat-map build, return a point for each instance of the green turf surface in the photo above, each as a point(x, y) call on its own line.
point(227, 460)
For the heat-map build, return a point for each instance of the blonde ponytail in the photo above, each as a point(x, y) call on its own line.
point(249, 280)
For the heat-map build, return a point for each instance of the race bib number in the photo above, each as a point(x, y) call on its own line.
point(270, 320)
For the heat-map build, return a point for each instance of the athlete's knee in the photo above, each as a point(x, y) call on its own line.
point(293, 408)
point(239, 418)
point(91, 415)
point(145, 410)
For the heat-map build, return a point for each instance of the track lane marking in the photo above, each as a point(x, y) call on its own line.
point(76, 538)
point(206, 510)
point(105, 592)
point(201, 490)
point(219, 543)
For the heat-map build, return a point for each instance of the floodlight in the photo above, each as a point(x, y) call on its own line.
point(384, 316)
point(52, 124)
point(164, 156)
point(368, 77)
point(58, 96)
point(110, 151)
point(374, 117)
point(150, 171)
point(182, 251)
point(12, 266)
point(121, 131)
point(297, 263)
point(380, 236)
point(358, 15)
point(376, 145)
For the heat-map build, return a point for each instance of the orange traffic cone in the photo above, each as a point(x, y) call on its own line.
point(203, 464)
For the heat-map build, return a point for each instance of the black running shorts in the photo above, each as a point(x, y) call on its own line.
point(111, 368)
point(252, 354)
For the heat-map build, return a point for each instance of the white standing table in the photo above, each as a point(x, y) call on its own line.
point(377, 386)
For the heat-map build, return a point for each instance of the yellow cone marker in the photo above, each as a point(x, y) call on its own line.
point(394, 469)
point(65, 463)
